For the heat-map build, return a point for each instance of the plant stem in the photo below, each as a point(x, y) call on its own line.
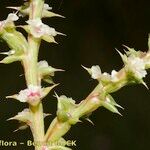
point(31, 75)
point(57, 129)
point(30, 61)
point(93, 101)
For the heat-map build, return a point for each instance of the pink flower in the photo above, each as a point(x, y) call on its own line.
point(39, 29)
point(31, 94)
point(45, 148)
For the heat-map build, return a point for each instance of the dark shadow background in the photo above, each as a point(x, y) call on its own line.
point(94, 29)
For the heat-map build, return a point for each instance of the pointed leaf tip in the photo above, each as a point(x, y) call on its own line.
point(56, 95)
point(118, 113)
point(90, 121)
point(10, 97)
point(119, 52)
point(9, 119)
point(119, 106)
point(22, 127)
point(47, 115)
point(80, 121)
point(15, 8)
point(143, 83)
point(59, 33)
point(87, 69)
point(126, 46)
point(48, 89)
point(123, 57)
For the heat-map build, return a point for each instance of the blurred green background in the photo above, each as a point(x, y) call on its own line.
point(94, 29)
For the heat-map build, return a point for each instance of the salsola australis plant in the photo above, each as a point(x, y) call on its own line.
point(68, 113)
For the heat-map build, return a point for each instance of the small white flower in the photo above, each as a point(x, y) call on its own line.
point(114, 77)
point(38, 29)
point(43, 64)
point(31, 94)
point(23, 116)
point(10, 18)
point(110, 77)
point(47, 7)
point(106, 76)
point(96, 72)
point(137, 66)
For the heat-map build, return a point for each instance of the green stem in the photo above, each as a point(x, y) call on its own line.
point(30, 61)
point(38, 124)
point(58, 129)
point(31, 75)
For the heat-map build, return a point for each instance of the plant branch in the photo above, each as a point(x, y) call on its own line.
point(93, 101)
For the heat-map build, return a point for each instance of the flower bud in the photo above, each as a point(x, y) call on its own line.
point(64, 108)
point(49, 39)
point(44, 69)
point(8, 23)
point(136, 67)
point(32, 95)
point(40, 30)
point(110, 104)
point(112, 101)
point(11, 59)
point(94, 71)
point(23, 116)
point(24, 119)
point(15, 41)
